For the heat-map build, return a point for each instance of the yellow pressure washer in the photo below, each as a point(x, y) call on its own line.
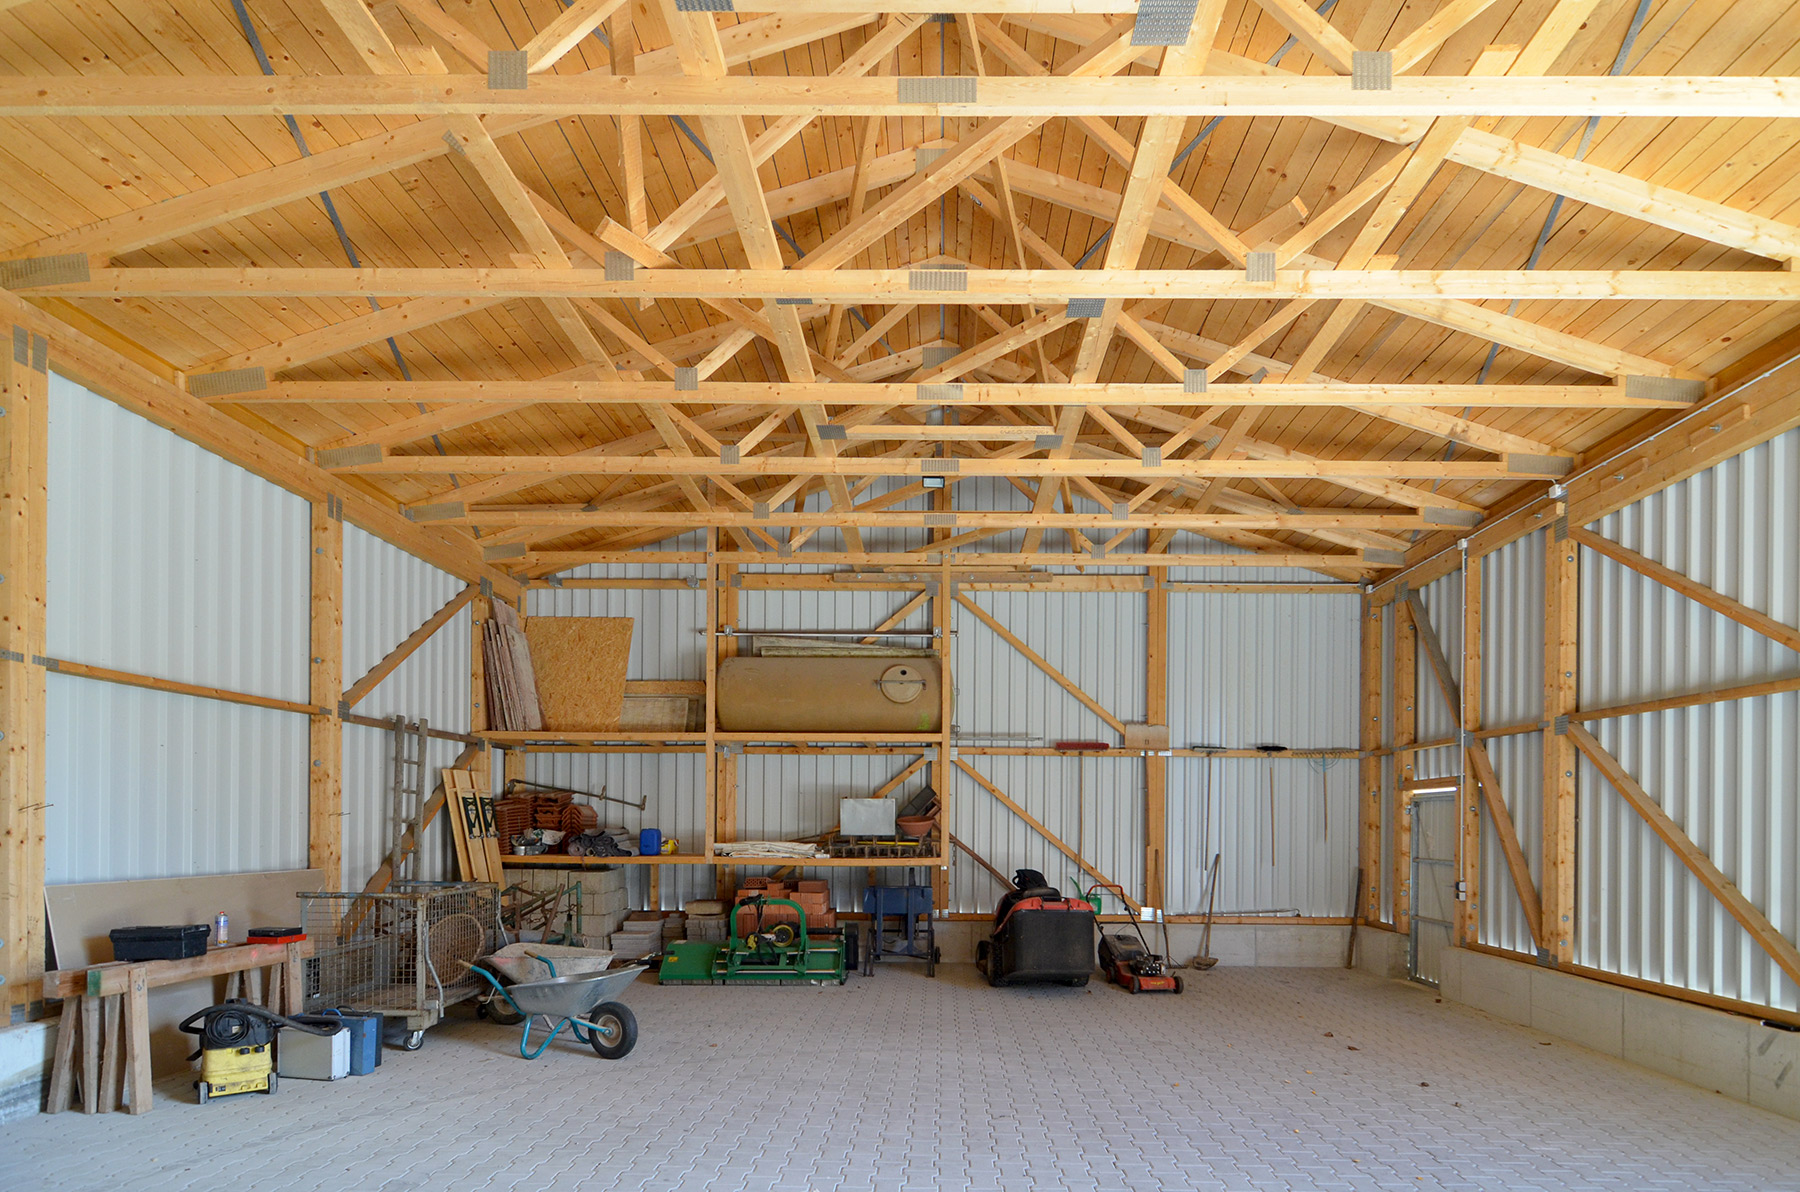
point(237, 1048)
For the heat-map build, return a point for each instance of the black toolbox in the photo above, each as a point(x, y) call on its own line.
point(160, 943)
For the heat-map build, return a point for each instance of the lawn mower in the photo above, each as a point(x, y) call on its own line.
point(1130, 962)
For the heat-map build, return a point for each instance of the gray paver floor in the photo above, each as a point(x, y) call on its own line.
point(1253, 1079)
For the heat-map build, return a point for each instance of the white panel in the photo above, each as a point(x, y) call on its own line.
point(1435, 719)
point(388, 593)
point(166, 560)
point(1512, 680)
point(145, 784)
point(1727, 772)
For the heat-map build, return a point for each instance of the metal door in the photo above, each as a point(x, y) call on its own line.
point(1434, 842)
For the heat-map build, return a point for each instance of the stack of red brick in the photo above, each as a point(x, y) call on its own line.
point(814, 898)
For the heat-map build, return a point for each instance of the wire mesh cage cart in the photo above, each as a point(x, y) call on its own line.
point(404, 954)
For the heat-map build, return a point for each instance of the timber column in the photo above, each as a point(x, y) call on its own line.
point(24, 466)
point(325, 734)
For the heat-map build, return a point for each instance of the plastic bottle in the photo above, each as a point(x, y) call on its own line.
point(222, 930)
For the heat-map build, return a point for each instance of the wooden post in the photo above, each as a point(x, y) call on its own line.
point(480, 609)
point(1156, 766)
point(137, 1037)
point(1369, 768)
point(1406, 677)
point(942, 620)
point(325, 785)
point(1468, 803)
point(720, 811)
point(24, 466)
point(1562, 610)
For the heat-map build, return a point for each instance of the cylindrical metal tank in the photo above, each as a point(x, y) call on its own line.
point(830, 695)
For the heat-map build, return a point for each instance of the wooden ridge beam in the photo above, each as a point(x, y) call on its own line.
point(490, 515)
point(1267, 461)
point(973, 394)
point(600, 94)
point(1015, 286)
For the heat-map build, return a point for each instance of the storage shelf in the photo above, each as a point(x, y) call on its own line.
point(555, 861)
point(831, 738)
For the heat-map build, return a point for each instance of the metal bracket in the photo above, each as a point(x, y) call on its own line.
point(555, 581)
point(1193, 380)
point(940, 465)
point(1086, 308)
point(731, 749)
point(1560, 726)
point(935, 88)
point(940, 393)
point(704, 6)
point(46, 663)
point(1121, 510)
point(21, 346)
point(348, 457)
point(1559, 529)
point(728, 453)
point(11, 656)
point(833, 433)
point(1259, 267)
point(507, 70)
point(1371, 70)
point(1164, 23)
point(938, 280)
point(1153, 457)
point(1664, 388)
point(228, 382)
point(619, 267)
point(44, 271)
point(1047, 442)
point(926, 156)
point(456, 144)
point(760, 511)
point(343, 709)
point(487, 589)
point(687, 379)
point(793, 302)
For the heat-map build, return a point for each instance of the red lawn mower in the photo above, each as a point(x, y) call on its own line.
point(1130, 962)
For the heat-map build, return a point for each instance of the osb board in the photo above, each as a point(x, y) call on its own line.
point(580, 666)
point(658, 713)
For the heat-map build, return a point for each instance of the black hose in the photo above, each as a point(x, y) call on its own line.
point(233, 1024)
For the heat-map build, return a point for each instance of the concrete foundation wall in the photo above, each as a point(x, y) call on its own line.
point(1738, 1057)
point(24, 1067)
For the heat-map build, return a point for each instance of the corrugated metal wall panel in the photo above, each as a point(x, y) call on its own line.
point(1310, 863)
point(145, 784)
point(1512, 632)
point(168, 561)
point(1253, 669)
point(1726, 772)
point(1096, 639)
point(1518, 764)
point(388, 593)
point(1436, 720)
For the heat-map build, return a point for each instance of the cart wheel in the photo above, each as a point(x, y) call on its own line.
point(614, 1031)
point(271, 1089)
point(413, 1041)
point(1178, 985)
point(203, 1090)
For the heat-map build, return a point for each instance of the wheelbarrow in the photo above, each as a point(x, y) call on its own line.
point(578, 1002)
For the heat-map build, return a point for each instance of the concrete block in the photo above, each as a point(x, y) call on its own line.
point(1300, 945)
point(1498, 987)
point(1586, 1012)
point(24, 1068)
point(1705, 1047)
point(1381, 953)
point(1775, 1070)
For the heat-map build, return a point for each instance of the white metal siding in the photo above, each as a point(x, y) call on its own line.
point(166, 560)
point(1512, 683)
point(1726, 772)
point(388, 593)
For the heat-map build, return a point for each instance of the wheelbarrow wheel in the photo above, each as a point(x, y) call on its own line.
point(492, 1005)
point(614, 1031)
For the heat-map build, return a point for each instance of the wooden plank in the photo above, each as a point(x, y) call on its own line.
point(595, 94)
point(1468, 797)
point(24, 475)
point(137, 1036)
point(1750, 917)
point(1405, 736)
point(1718, 695)
point(1369, 792)
point(1508, 835)
point(112, 1046)
point(551, 43)
point(1776, 631)
point(62, 1064)
point(1156, 767)
point(1037, 826)
point(447, 285)
point(1032, 656)
point(325, 736)
point(1562, 578)
point(410, 645)
point(89, 1008)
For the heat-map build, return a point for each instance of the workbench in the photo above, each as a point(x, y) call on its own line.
point(108, 1006)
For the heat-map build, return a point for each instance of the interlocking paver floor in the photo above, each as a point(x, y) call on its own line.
point(1254, 1078)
